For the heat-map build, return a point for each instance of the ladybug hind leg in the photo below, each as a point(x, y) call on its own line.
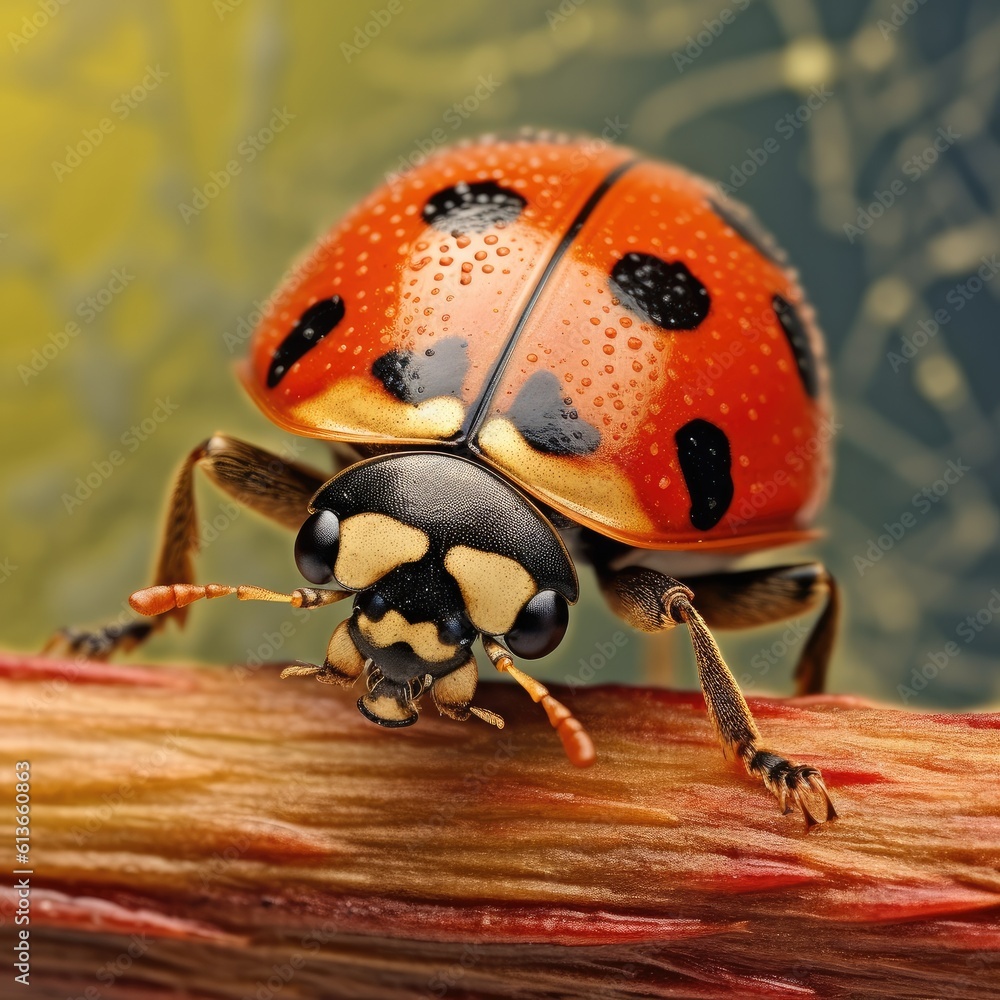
point(653, 602)
point(764, 596)
point(257, 479)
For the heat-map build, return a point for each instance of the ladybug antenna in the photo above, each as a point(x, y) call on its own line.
point(168, 597)
point(578, 745)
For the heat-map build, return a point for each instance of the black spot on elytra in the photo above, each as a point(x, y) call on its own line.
point(662, 292)
point(472, 208)
point(798, 338)
point(703, 450)
point(413, 377)
point(315, 323)
point(548, 421)
point(744, 223)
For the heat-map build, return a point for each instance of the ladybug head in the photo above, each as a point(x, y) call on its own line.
point(439, 551)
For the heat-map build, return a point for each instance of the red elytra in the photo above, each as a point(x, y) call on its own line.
point(609, 332)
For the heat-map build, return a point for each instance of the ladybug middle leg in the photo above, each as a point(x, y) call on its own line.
point(651, 602)
point(763, 596)
point(258, 479)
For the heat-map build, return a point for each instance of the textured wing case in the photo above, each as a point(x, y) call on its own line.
point(608, 332)
point(388, 331)
point(667, 388)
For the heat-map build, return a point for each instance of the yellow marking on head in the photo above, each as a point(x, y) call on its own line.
point(356, 408)
point(373, 544)
point(583, 487)
point(494, 587)
point(393, 627)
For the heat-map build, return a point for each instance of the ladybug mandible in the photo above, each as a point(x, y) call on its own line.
point(532, 352)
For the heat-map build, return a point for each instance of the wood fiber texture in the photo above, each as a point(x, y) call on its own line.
point(218, 833)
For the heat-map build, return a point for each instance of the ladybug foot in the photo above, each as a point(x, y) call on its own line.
point(97, 644)
point(795, 786)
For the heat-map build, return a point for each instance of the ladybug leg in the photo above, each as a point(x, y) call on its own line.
point(258, 479)
point(453, 694)
point(652, 602)
point(99, 644)
point(763, 596)
point(343, 664)
point(577, 744)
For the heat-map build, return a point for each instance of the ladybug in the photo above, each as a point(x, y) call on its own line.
point(531, 353)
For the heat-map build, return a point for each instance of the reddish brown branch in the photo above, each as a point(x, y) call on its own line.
point(195, 830)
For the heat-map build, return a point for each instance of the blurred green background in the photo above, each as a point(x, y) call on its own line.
point(874, 127)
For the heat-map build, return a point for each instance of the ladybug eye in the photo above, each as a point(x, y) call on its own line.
point(540, 626)
point(316, 546)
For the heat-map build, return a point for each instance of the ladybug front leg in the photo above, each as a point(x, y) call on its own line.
point(343, 664)
point(652, 602)
point(762, 596)
point(453, 693)
point(258, 479)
